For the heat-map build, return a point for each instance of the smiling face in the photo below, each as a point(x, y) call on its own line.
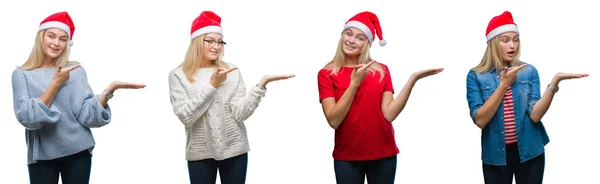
point(509, 45)
point(54, 42)
point(353, 41)
point(212, 46)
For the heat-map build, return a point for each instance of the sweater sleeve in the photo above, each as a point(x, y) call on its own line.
point(243, 104)
point(92, 114)
point(31, 112)
point(189, 102)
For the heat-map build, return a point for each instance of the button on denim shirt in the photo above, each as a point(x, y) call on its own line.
point(531, 137)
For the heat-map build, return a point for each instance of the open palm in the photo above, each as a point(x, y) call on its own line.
point(425, 73)
point(565, 76)
point(271, 78)
point(126, 85)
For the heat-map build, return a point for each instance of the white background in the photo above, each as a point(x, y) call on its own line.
point(141, 41)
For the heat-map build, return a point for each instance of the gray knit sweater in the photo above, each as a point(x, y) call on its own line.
point(63, 128)
point(213, 118)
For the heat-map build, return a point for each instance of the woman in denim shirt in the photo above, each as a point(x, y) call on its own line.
point(505, 102)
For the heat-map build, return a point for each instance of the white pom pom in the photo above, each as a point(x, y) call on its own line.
point(382, 42)
point(70, 43)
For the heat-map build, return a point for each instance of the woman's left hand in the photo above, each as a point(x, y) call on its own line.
point(425, 73)
point(270, 78)
point(124, 85)
point(565, 76)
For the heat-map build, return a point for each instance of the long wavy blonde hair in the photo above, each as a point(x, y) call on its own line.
point(37, 56)
point(492, 58)
point(339, 60)
point(194, 57)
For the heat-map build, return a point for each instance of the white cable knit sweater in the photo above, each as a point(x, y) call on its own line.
point(213, 118)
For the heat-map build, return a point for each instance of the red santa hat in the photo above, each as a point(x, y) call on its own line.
point(368, 23)
point(60, 20)
point(501, 24)
point(207, 22)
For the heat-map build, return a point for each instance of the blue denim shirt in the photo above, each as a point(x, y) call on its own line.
point(531, 137)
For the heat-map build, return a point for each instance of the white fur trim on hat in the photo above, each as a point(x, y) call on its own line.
point(362, 27)
point(502, 29)
point(207, 29)
point(56, 24)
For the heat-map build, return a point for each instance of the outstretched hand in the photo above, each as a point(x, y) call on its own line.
point(115, 85)
point(566, 76)
point(270, 78)
point(425, 73)
point(125, 85)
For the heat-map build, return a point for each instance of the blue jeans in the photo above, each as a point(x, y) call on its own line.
point(231, 170)
point(382, 171)
point(73, 169)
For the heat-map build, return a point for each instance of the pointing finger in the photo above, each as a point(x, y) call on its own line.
point(73, 67)
point(230, 70)
point(521, 66)
point(515, 69)
point(369, 64)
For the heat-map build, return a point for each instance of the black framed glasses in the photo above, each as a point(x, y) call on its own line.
point(213, 42)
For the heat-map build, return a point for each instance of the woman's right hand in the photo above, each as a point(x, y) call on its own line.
point(509, 75)
point(359, 73)
point(220, 75)
point(62, 74)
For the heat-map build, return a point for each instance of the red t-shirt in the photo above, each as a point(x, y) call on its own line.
point(364, 134)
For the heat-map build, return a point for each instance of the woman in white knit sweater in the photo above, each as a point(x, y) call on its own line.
point(209, 97)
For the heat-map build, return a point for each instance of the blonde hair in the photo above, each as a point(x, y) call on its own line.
point(364, 57)
point(37, 55)
point(492, 58)
point(194, 57)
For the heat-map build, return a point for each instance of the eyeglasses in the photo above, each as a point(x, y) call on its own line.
point(212, 42)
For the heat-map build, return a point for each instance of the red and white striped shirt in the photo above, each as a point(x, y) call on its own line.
point(509, 118)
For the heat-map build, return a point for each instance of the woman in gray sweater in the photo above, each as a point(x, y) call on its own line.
point(54, 102)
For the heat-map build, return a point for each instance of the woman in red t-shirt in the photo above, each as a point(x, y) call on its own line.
point(357, 98)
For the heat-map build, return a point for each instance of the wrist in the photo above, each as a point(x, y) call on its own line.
point(555, 80)
point(353, 85)
point(553, 88)
point(55, 83)
point(213, 85)
point(503, 86)
point(107, 94)
point(412, 80)
point(110, 88)
point(262, 84)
